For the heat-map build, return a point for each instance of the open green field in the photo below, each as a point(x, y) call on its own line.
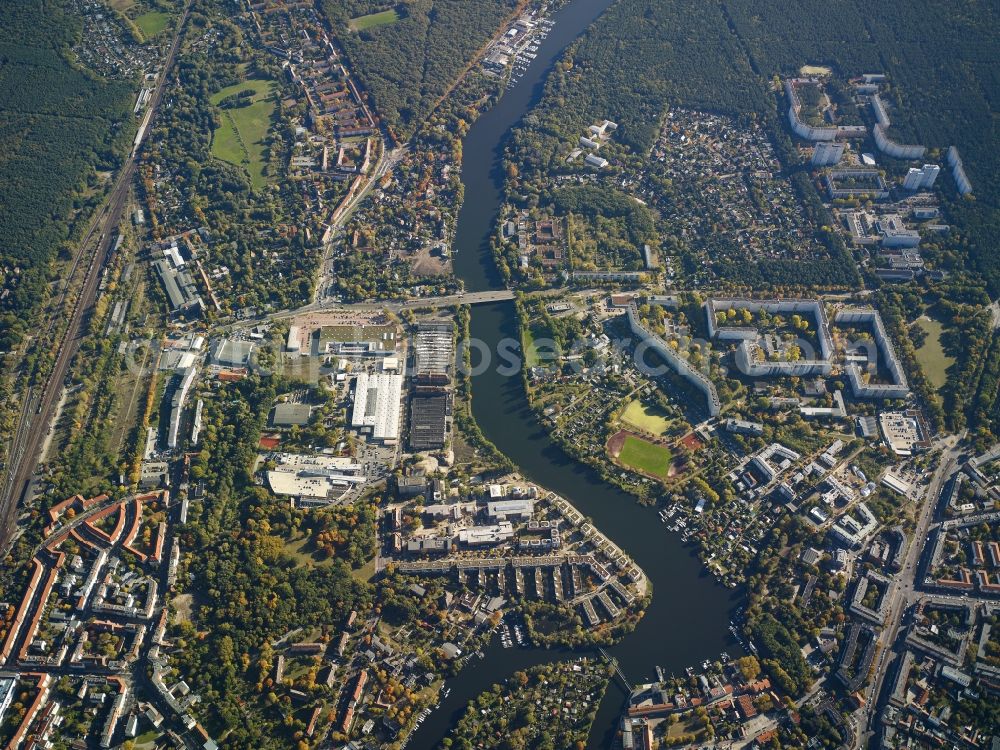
point(301, 549)
point(152, 23)
point(532, 350)
point(646, 418)
point(373, 19)
point(240, 138)
point(931, 356)
point(644, 456)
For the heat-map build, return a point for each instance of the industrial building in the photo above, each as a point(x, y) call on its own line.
point(182, 294)
point(376, 405)
point(430, 404)
point(433, 346)
point(177, 406)
point(313, 480)
point(232, 353)
point(429, 414)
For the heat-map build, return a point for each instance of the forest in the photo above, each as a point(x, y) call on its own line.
point(643, 56)
point(941, 59)
point(408, 65)
point(58, 125)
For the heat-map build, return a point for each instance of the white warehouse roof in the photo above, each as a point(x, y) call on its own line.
point(376, 404)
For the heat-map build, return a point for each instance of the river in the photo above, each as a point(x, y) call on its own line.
point(688, 618)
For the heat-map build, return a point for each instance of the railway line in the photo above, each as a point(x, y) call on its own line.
point(39, 403)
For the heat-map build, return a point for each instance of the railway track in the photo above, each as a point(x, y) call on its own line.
point(40, 402)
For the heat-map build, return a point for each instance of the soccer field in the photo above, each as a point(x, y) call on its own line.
point(373, 19)
point(644, 456)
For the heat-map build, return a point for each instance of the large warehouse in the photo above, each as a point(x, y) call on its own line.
point(428, 419)
point(376, 404)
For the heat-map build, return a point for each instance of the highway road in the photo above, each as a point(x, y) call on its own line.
point(905, 592)
point(40, 404)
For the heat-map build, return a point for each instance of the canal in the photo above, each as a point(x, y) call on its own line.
point(689, 616)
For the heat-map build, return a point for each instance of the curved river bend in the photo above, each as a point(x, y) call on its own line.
point(688, 618)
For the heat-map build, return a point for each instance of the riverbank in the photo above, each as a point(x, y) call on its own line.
point(688, 617)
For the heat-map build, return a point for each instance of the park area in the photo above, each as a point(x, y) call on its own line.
point(930, 354)
point(645, 418)
point(374, 19)
point(240, 138)
point(632, 452)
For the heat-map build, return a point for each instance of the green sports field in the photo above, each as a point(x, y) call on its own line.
point(644, 456)
point(646, 418)
point(152, 23)
point(240, 138)
point(373, 19)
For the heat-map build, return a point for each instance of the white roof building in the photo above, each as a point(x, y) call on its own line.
point(504, 509)
point(376, 404)
point(476, 535)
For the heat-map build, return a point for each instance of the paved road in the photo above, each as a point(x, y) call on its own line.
point(448, 300)
point(30, 434)
point(905, 592)
point(415, 303)
point(386, 163)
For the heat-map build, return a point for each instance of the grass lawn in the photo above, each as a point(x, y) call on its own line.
point(366, 572)
point(645, 456)
point(301, 549)
point(240, 138)
point(931, 356)
point(373, 19)
point(152, 23)
point(532, 350)
point(646, 418)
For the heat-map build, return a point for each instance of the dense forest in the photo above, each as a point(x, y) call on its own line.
point(57, 125)
point(642, 56)
point(408, 64)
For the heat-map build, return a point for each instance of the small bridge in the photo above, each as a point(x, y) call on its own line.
point(618, 670)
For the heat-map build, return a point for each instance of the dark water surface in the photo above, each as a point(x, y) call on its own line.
point(688, 618)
